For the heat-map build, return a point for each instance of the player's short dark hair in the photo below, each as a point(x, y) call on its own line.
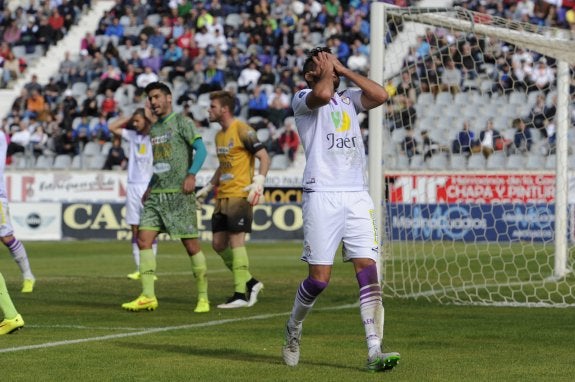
point(158, 86)
point(309, 65)
point(226, 99)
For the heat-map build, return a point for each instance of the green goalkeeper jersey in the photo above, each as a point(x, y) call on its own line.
point(172, 138)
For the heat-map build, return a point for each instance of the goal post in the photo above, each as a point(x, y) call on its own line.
point(473, 249)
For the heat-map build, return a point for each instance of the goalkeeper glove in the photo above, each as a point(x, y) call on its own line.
point(202, 194)
point(256, 189)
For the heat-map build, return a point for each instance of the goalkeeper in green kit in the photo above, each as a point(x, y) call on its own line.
point(169, 201)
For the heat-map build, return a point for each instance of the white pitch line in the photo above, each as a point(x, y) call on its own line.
point(158, 330)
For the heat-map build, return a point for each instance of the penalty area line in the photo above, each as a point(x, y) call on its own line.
point(159, 330)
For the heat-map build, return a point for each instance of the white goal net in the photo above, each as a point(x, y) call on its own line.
point(477, 159)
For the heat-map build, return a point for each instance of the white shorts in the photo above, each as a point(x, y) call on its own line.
point(6, 228)
point(330, 218)
point(134, 202)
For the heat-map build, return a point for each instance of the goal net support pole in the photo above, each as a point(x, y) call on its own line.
point(549, 42)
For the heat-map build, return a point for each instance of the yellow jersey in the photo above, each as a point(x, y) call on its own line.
point(236, 148)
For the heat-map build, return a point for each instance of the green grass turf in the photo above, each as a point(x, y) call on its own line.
point(76, 331)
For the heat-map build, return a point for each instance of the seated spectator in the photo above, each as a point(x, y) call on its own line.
point(90, 104)
point(490, 139)
point(82, 130)
point(542, 76)
point(10, 69)
point(39, 140)
point(409, 144)
point(288, 141)
point(249, 76)
point(258, 103)
point(451, 77)
point(172, 56)
point(522, 139)
point(116, 156)
point(268, 76)
point(56, 21)
point(214, 78)
point(146, 78)
point(279, 105)
point(35, 103)
point(110, 79)
point(100, 131)
point(464, 140)
point(109, 105)
point(19, 140)
point(181, 68)
point(130, 75)
point(65, 143)
point(51, 92)
point(69, 109)
point(430, 147)
point(358, 62)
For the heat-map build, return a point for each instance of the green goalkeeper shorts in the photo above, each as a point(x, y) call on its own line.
point(173, 213)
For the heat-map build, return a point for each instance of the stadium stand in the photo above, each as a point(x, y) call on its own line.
point(108, 45)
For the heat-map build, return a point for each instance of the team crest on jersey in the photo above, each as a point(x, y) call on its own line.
point(340, 120)
point(346, 100)
point(231, 144)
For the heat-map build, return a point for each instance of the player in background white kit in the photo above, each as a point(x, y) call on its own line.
point(14, 245)
point(336, 205)
point(139, 170)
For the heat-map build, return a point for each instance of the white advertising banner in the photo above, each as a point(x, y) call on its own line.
point(36, 221)
point(101, 186)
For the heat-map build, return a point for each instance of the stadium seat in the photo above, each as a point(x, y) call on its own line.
point(425, 99)
point(496, 161)
point(517, 98)
point(279, 162)
point(62, 161)
point(551, 162)
point(516, 162)
point(417, 163)
point(44, 162)
point(534, 162)
point(458, 162)
point(79, 88)
point(95, 162)
point(106, 148)
point(91, 149)
point(476, 162)
point(443, 98)
point(401, 162)
point(77, 162)
point(263, 134)
point(437, 162)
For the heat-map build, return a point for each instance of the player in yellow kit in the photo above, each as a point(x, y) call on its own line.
point(239, 188)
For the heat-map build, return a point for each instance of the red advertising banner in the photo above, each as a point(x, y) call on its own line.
point(471, 188)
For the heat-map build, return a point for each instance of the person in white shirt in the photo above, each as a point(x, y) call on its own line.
point(335, 196)
point(146, 78)
point(249, 76)
point(15, 246)
point(135, 129)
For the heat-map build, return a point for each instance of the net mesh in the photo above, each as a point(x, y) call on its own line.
point(470, 158)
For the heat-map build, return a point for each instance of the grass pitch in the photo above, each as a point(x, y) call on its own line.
point(76, 331)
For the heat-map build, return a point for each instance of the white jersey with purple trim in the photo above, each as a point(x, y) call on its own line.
point(332, 141)
point(140, 159)
point(3, 148)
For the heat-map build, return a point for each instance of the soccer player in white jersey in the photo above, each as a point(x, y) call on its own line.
point(135, 130)
point(14, 245)
point(336, 205)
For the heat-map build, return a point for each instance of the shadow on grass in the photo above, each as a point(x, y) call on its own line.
point(226, 354)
